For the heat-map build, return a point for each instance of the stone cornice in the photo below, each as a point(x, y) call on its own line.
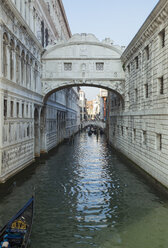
point(85, 80)
point(65, 17)
point(80, 58)
point(157, 17)
point(147, 112)
point(71, 43)
point(31, 93)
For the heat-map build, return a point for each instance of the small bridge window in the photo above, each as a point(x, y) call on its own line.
point(67, 66)
point(99, 66)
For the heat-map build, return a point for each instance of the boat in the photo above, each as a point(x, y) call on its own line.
point(101, 131)
point(90, 133)
point(95, 131)
point(16, 233)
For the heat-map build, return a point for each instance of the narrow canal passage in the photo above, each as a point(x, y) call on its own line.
point(86, 196)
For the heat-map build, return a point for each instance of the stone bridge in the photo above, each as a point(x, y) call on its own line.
point(98, 123)
point(83, 61)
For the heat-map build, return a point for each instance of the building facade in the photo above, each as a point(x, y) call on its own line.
point(138, 121)
point(29, 125)
point(89, 109)
point(96, 107)
point(82, 104)
point(103, 104)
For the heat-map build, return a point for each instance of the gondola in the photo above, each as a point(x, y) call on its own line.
point(90, 133)
point(101, 132)
point(16, 233)
point(95, 131)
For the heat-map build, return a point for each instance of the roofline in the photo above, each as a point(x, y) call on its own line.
point(65, 17)
point(71, 43)
point(152, 16)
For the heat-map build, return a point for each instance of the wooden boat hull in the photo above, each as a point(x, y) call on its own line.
point(17, 231)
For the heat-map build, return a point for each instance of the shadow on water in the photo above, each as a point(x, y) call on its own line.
point(154, 186)
point(19, 179)
point(26, 174)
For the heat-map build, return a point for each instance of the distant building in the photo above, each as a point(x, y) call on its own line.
point(103, 104)
point(82, 104)
point(96, 107)
point(93, 108)
point(89, 109)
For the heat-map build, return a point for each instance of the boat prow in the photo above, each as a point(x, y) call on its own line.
point(16, 233)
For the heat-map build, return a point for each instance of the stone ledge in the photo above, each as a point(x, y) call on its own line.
point(4, 178)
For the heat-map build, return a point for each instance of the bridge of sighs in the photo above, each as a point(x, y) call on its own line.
point(83, 61)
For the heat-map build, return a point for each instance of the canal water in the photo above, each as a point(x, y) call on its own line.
point(87, 196)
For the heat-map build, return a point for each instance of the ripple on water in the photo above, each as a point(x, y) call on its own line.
point(87, 197)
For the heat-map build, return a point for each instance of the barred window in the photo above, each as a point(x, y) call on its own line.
point(128, 67)
point(137, 62)
point(147, 52)
point(144, 137)
point(46, 37)
point(159, 142)
point(11, 110)
point(127, 131)
point(22, 109)
point(42, 33)
point(146, 91)
point(5, 108)
point(134, 134)
point(162, 38)
point(28, 130)
point(136, 95)
point(161, 85)
point(99, 66)
point(17, 108)
point(122, 132)
point(67, 66)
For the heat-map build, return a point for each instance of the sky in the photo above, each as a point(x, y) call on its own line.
point(119, 20)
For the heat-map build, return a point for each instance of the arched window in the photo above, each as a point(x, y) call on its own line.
point(27, 71)
point(5, 44)
point(11, 59)
point(35, 75)
point(17, 64)
point(46, 36)
point(42, 33)
point(22, 67)
point(30, 76)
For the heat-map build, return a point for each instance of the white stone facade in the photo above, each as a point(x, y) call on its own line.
point(96, 107)
point(82, 104)
point(28, 124)
point(35, 118)
point(103, 99)
point(139, 129)
point(83, 61)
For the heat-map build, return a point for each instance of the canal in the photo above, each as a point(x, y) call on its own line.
point(87, 196)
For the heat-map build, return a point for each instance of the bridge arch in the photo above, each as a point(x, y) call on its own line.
point(115, 89)
point(97, 123)
point(83, 61)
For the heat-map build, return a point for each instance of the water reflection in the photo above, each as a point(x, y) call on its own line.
point(87, 197)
